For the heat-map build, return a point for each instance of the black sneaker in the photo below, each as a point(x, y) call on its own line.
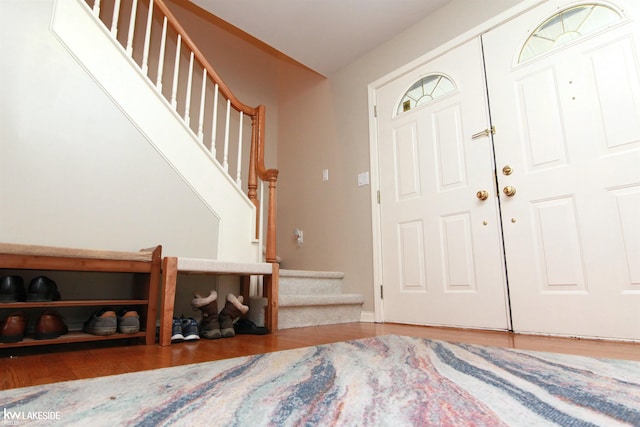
point(176, 330)
point(246, 326)
point(190, 329)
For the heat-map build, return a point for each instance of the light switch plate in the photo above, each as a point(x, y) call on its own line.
point(363, 179)
point(325, 175)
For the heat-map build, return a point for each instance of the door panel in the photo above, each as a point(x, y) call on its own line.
point(539, 110)
point(441, 250)
point(568, 123)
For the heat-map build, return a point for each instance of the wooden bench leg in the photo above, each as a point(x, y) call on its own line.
point(169, 279)
point(270, 290)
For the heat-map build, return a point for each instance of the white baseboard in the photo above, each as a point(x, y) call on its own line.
point(367, 317)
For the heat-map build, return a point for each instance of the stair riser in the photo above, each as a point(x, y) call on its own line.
point(309, 286)
point(301, 316)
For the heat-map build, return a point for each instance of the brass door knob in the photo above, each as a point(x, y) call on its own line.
point(482, 195)
point(509, 190)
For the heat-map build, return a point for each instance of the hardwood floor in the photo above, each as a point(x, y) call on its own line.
point(23, 367)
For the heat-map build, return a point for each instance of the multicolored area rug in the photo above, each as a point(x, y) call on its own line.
point(382, 381)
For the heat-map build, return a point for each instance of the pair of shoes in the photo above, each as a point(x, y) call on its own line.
point(106, 321)
point(246, 326)
point(184, 329)
point(13, 327)
point(216, 325)
point(41, 288)
point(50, 325)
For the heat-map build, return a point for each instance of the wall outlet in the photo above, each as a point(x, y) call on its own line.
point(325, 175)
point(299, 235)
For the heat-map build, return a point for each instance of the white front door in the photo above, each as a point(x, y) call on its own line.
point(567, 171)
point(567, 116)
point(441, 247)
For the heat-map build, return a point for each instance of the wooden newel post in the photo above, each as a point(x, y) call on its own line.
point(272, 178)
point(258, 170)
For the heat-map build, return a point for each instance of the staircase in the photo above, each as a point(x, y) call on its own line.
point(203, 138)
point(310, 298)
point(152, 70)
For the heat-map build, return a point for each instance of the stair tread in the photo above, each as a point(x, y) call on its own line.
point(312, 274)
point(325, 299)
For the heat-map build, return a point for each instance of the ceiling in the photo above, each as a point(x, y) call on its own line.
point(323, 35)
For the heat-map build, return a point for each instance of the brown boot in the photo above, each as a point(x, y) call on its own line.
point(232, 310)
point(209, 325)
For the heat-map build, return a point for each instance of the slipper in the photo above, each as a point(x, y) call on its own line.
point(246, 326)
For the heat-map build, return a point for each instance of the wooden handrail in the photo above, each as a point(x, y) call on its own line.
point(235, 102)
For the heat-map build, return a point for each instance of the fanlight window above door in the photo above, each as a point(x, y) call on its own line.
point(425, 90)
point(566, 26)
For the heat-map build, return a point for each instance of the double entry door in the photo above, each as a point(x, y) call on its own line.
point(509, 172)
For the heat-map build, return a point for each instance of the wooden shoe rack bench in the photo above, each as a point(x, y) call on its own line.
point(172, 266)
point(145, 266)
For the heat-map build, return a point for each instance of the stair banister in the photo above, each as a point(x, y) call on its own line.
point(257, 169)
point(256, 162)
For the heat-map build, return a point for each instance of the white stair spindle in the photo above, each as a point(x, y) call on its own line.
point(96, 8)
point(163, 43)
point(176, 71)
point(202, 99)
point(214, 122)
point(239, 168)
point(132, 26)
point(187, 103)
point(225, 159)
point(147, 39)
point(114, 21)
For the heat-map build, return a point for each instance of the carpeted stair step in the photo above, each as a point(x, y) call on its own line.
point(296, 311)
point(310, 298)
point(301, 282)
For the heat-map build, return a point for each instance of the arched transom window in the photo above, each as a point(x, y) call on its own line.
point(566, 26)
point(425, 90)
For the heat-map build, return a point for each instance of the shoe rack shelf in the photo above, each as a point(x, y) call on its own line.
point(75, 303)
point(146, 265)
point(71, 337)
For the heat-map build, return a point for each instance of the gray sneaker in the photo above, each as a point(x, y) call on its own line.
point(128, 321)
point(101, 322)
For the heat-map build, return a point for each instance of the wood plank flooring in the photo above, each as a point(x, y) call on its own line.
point(24, 367)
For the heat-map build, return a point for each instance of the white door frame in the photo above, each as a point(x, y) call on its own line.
point(372, 89)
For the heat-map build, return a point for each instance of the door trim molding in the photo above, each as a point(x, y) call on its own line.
point(372, 89)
